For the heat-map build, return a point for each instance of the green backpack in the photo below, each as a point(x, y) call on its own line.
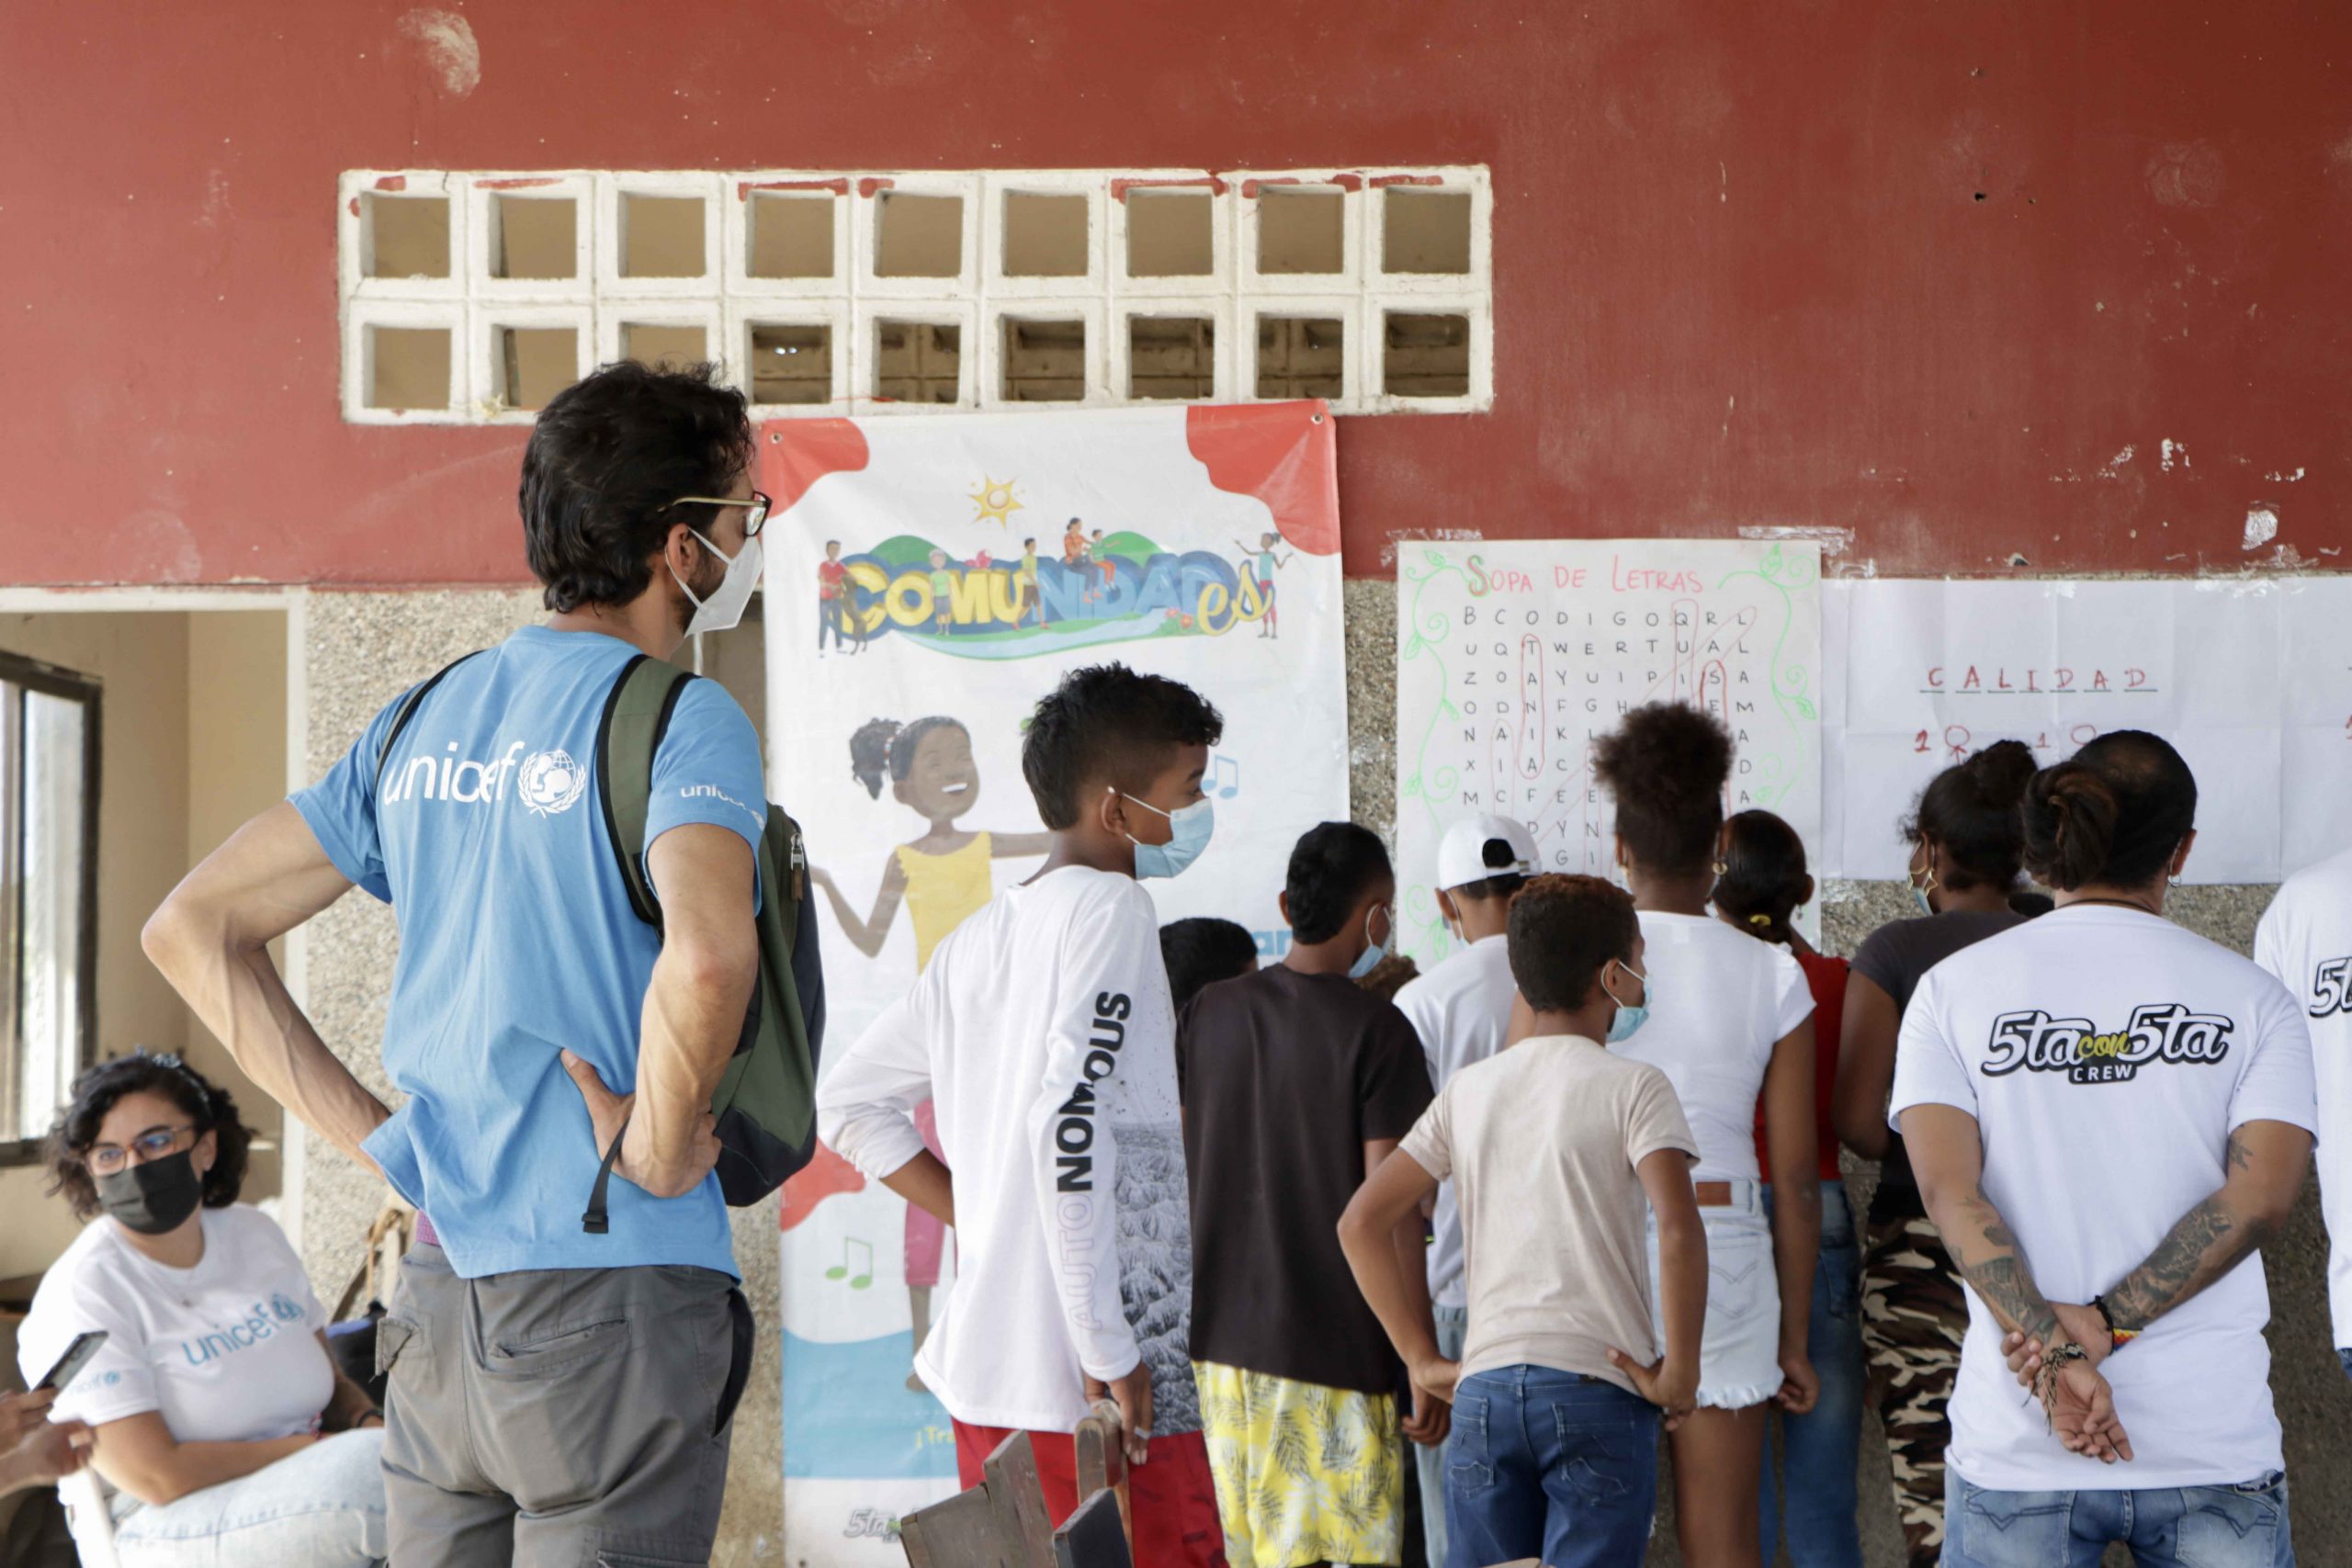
point(766, 1101)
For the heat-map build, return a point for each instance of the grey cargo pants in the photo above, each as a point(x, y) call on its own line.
point(559, 1418)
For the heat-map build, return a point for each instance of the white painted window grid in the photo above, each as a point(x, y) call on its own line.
point(726, 301)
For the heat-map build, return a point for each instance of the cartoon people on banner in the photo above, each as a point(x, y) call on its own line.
point(943, 877)
point(835, 618)
point(1264, 576)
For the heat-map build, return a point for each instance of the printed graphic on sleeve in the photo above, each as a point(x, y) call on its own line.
point(2331, 988)
point(2159, 1033)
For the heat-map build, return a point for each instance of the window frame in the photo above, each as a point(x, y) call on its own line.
point(470, 304)
point(32, 674)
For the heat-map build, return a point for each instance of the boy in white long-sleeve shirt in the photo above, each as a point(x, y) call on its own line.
point(1042, 1032)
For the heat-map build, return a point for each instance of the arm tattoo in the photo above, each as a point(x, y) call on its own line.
point(1987, 1253)
point(2240, 1156)
point(2206, 1242)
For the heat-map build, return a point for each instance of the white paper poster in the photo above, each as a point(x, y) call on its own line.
point(928, 580)
point(1512, 656)
point(2252, 681)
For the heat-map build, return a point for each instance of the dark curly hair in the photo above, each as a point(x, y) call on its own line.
point(1332, 867)
point(96, 1092)
point(1202, 949)
point(606, 459)
point(1764, 878)
point(1971, 810)
point(1666, 766)
point(1564, 931)
point(2112, 813)
point(1108, 725)
point(881, 743)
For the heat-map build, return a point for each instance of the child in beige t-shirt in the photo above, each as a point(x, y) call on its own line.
point(1557, 1149)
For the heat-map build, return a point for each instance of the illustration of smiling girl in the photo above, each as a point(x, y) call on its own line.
point(941, 879)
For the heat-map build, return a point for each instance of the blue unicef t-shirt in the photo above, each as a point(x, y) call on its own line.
point(517, 941)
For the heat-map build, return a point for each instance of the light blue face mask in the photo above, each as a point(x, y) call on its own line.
point(1190, 829)
point(1919, 893)
point(1629, 1019)
point(1369, 959)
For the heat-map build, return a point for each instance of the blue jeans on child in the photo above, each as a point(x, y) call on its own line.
point(322, 1508)
point(1453, 1324)
point(1821, 1449)
point(1552, 1465)
point(2211, 1527)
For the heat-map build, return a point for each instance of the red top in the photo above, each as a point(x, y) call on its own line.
point(1827, 976)
point(829, 579)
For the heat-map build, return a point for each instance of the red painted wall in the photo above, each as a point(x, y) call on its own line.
point(1920, 271)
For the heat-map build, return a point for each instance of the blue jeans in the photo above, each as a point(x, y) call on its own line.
point(1821, 1451)
point(1453, 1324)
point(2189, 1527)
point(1549, 1464)
point(322, 1508)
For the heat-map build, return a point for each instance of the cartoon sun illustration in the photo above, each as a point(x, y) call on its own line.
point(995, 501)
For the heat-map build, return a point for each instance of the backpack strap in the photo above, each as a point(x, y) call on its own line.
point(405, 711)
point(598, 1221)
point(636, 715)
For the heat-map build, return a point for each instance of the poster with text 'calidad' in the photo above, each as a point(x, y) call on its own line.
point(928, 580)
point(2250, 679)
point(1513, 657)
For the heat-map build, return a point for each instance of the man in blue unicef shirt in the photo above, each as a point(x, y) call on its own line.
point(556, 1396)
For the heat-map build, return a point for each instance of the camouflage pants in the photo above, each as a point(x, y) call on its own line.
point(1914, 1317)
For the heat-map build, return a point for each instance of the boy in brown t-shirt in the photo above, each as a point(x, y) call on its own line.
point(1553, 1147)
point(1297, 1082)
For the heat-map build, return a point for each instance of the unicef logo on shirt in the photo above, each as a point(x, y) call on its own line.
point(550, 782)
point(284, 1309)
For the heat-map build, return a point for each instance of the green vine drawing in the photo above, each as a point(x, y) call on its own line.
point(1419, 636)
point(1785, 573)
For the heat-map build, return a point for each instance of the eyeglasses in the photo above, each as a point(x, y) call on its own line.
point(112, 1159)
point(753, 520)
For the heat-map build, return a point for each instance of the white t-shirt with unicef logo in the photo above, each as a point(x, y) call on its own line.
point(2107, 1055)
point(227, 1351)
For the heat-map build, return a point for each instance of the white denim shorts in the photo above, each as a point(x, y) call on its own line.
point(1739, 1351)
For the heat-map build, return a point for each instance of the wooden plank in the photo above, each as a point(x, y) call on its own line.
point(1095, 1537)
point(1102, 1458)
point(957, 1533)
point(1024, 1531)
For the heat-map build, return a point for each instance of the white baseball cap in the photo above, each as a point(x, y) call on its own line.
point(1462, 856)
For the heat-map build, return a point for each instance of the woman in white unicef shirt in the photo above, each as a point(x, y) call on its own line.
point(2108, 1116)
point(220, 1421)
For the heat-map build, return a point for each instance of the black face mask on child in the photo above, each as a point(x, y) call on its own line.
point(153, 1197)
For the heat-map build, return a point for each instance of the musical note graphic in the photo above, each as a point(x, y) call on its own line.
point(841, 1270)
point(1219, 769)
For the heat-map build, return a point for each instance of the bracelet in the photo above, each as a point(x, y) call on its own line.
point(2116, 1338)
point(2045, 1382)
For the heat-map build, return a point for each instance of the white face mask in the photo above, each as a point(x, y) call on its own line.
point(724, 608)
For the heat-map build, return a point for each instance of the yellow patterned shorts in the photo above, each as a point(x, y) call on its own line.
point(1304, 1473)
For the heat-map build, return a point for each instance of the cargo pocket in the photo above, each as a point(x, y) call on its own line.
point(738, 1367)
point(393, 1338)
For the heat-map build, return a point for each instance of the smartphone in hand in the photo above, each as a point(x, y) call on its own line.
point(77, 1355)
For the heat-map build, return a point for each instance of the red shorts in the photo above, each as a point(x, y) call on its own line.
point(1170, 1495)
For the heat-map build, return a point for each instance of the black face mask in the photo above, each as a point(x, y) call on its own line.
point(154, 1196)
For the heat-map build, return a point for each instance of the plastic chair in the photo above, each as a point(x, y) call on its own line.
point(88, 1518)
